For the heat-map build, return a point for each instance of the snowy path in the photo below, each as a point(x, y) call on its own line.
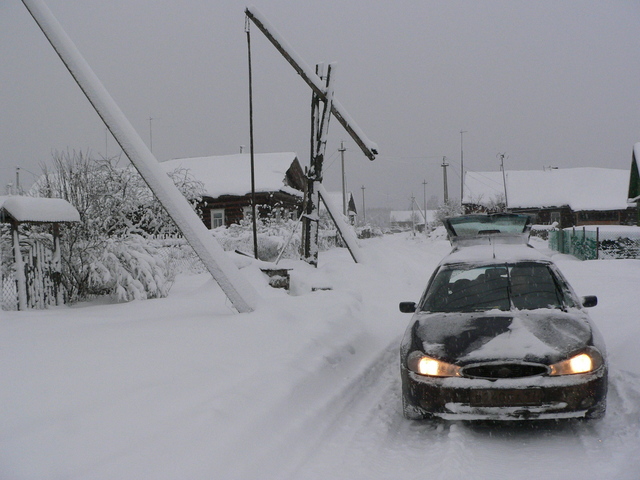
point(306, 387)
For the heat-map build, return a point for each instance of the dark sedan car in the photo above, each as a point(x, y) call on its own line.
point(499, 334)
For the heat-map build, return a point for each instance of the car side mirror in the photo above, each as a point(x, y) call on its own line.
point(407, 307)
point(589, 301)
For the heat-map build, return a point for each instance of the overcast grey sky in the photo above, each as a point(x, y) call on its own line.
point(548, 82)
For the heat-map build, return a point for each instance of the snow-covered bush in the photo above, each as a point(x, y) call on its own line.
point(129, 269)
point(449, 209)
point(111, 250)
point(272, 236)
point(368, 231)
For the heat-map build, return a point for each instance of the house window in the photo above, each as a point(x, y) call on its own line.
point(555, 217)
point(217, 218)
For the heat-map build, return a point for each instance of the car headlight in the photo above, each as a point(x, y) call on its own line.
point(421, 364)
point(588, 361)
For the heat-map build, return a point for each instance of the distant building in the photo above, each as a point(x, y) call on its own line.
point(568, 196)
point(634, 180)
point(279, 185)
point(402, 220)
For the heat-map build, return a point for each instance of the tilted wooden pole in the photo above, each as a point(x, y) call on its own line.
point(240, 292)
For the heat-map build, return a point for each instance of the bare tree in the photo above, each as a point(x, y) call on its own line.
point(106, 252)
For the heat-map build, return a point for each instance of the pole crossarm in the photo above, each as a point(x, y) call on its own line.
point(369, 148)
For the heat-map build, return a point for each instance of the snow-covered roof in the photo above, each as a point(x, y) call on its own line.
point(587, 188)
point(36, 209)
point(231, 174)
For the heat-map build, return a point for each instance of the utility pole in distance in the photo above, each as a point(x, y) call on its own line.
point(150, 135)
point(344, 183)
point(424, 188)
point(444, 175)
point(461, 167)
point(364, 212)
point(504, 179)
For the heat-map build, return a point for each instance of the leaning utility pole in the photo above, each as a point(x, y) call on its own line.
point(240, 292)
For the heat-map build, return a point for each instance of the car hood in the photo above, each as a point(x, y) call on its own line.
point(545, 335)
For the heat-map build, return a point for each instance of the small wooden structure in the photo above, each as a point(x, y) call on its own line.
point(38, 277)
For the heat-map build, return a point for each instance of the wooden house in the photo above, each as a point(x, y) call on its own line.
point(279, 185)
point(568, 196)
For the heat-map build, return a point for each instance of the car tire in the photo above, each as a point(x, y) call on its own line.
point(411, 412)
point(596, 412)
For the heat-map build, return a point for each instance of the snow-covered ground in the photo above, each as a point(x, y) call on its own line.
point(305, 387)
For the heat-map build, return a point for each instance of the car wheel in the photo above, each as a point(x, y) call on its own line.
point(411, 412)
point(597, 411)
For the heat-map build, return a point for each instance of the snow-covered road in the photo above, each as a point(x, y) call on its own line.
point(305, 387)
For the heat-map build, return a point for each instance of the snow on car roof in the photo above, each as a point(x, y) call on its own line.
point(495, 253)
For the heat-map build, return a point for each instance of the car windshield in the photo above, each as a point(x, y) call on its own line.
point(523, 285)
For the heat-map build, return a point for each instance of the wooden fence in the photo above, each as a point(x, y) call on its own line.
point(42, 276)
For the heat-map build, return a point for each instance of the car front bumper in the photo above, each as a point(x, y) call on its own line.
point(531, 398)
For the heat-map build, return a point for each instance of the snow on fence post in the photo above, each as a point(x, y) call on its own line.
point(239, 291)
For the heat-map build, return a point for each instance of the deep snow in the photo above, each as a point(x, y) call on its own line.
point(306, 386)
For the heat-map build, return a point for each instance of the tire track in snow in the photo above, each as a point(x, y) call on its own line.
point(369, 434)
point(355, 428)
point(313, 410)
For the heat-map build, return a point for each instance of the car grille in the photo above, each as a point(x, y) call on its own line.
point(504, 370)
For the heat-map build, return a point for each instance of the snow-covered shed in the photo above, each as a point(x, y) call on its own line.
point(279, 185)
point(568, 196)
point(19, 209)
